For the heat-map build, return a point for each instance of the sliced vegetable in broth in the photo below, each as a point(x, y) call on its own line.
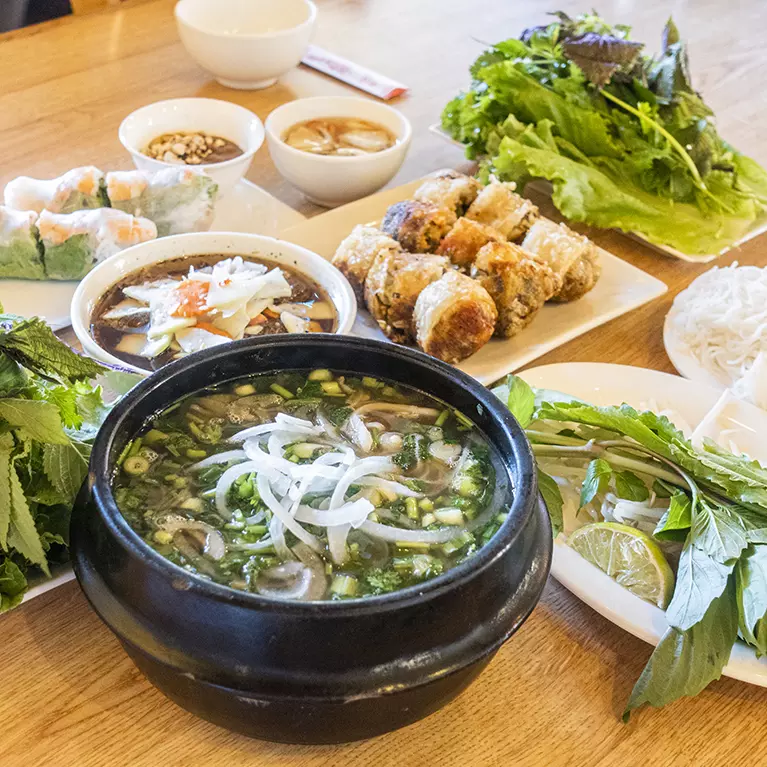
point(312, 486)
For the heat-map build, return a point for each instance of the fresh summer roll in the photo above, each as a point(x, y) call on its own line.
point(417, 226)
point(454, 317)
point(73, 243)
point(20, 254)
point(462, 243)
point(78, 189)
point(178, 200)
point(499, 206)
point(517, 283)
point(449, 189)
point(393, 285)
point(356, 254)
point(571, 256)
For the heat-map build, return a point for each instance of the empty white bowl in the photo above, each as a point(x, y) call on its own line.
point(246, 44)
point(98, 281)
point(218, 118)
point(330, 180)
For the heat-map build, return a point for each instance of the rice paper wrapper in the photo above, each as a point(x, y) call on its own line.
point(20, 250)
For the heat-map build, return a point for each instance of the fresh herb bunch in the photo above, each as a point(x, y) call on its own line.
point(718, 509)
point(623, 137)
point(50, 411)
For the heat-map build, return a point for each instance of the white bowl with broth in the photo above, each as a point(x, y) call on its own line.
point(332, 180)
point(246, 44)
point(186, 249)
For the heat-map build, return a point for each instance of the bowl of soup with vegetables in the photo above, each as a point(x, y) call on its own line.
point(152, 305)
point(311, 539)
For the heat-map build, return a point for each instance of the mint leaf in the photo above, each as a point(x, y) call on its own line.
point(520, 400)
point(13, 585)
point(33, 345)
point(597, 478)
point(751, 585)
point(549, 490)
point(22, 533)
point(685, 662)
point(630, 487)
point(39, 420)
point(66, 469)
point(700, 579)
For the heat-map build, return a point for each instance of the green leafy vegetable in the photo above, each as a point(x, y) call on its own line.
point(624, 139)
point(549, 490)
point(629, 486)
point(597, 476)
point(13, 585)
point(521, 401)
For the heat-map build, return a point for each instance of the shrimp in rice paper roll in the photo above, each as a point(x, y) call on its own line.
point(20, 255)
point(78, 189)
point(454, 317)
point(417, 226)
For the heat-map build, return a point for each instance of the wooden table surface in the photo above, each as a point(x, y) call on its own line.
point(554, 693)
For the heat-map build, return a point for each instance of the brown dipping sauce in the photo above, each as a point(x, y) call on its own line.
point(109, 333)
point(339, 136)
point(192, 148)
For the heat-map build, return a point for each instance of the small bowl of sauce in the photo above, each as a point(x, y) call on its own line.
point(337, 149)
point(218, 137)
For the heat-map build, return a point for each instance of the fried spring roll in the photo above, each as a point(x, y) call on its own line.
point(356, 254)
point(517, 283)
point(454, 317)
point(393, 285)
point(499, 206)
point(417, 226)
point(462, 243)
point(449, 189)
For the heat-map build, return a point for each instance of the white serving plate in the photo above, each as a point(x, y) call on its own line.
point(246, 208)
point(759, 226)
point(621, 288)
point(605, 384)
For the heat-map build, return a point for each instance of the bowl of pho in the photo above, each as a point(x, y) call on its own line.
point(165, 299)
point(311, 539)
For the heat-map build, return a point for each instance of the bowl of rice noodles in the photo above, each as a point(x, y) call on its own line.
point(311, 539)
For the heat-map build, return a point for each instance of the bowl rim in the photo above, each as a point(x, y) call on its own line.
point(80, 316)
point(308, 22)
point(401, 144)
point(256, 128)
point(521, 466)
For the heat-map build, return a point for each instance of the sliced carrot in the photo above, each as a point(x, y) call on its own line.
point(272, 315)
point(315, 327)
point(211, 328)
point(192, 297)
point(259, 319)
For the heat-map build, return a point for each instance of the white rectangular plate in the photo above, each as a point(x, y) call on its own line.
point(247, 208)
point(620, 289)
point(759, 226)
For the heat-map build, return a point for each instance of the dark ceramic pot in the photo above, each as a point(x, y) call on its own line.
point(303, 672)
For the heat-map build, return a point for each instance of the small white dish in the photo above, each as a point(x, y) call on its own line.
point(246, 44)
point(190, 115)
point(329, 180)
point(247, 208)
point(97, 282)
point(605, 384)
point(620, 289)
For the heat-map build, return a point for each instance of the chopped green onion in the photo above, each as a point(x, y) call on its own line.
point(135, 465)
point(411, 507)
point(344, 585)
point(163, 537)
point(135, 446)
point(389, 391)
point(304, 449)
point(449, 516)
point(282, 391)
point(428, 519)
point(320, 375)
point(256, 529)
point(332, 388)
point(426, 504)
point(454, 544)
point(370, 383)
point(442, 417)
point(462, 419)
point(411, 545)
point(195, 453)
point(155, 435)
point(245, 390)
point(193, 504)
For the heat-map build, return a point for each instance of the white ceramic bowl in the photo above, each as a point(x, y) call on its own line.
point(246, 44)
point(105, 275)
point(328, 180)
point(220, 118)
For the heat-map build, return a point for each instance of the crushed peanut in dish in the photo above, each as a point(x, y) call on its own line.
point(192, 148)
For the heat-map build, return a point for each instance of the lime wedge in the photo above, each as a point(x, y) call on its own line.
point(629, 556)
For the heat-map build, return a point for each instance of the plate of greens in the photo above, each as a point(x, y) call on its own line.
point(622, 137)
point(52, 402)
point(660, 511)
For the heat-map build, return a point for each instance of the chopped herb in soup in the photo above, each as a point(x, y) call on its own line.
point(312, 486)
point(173, 308)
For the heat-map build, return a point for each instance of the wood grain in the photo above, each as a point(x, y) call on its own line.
point(555, 692)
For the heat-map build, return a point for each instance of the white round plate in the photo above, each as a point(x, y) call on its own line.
point(682, 358)
point(604, 384)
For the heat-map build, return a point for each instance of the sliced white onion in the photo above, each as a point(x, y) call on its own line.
point(390, 442)
point(337, 542)
point(355, 429)
point(264, 543)
point(388, 484)
point(215, 546)
point(386, 533)
point(277, 534)
point(267, 496)
point(291, 569)
point(446, 452)
point(407, 411)
point(225, 457)
point(354, 513)
point(372, 465)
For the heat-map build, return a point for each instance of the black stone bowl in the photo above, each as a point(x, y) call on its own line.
point(311, 672)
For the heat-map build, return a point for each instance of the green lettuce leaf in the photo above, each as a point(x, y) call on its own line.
point(13, 584)
point(751, 583)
